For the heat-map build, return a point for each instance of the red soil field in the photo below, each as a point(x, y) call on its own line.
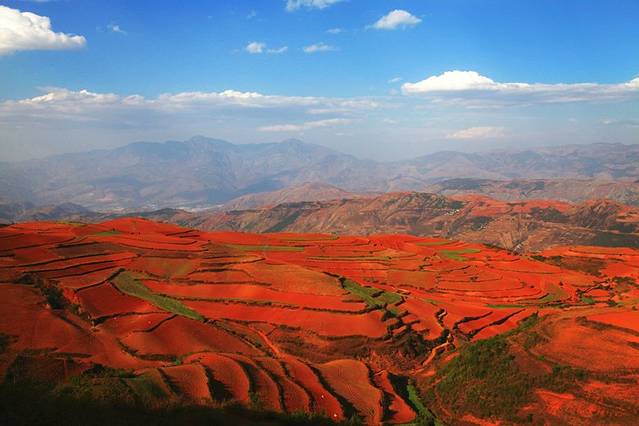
point(323, 323)
point(226, 371)
point(295, 397)
point(323, 400)
point(179, 336)
point(190, 381)
point(254, 293)
point(628, 320)
point(104, 300)
point(281, 323)
point(350, 379)
point(400, 411)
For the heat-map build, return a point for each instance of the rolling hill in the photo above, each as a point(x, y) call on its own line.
point(148, 317)
point(516, 225)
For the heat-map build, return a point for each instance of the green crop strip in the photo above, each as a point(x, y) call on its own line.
point(457, 254)
point(372, 296)
point(107, 233)
point(128, 284)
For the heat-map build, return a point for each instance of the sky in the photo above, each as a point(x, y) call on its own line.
point(385, 80)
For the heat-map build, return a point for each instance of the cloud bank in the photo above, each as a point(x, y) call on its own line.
point(474, 89)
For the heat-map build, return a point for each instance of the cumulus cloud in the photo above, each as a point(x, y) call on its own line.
point(256, 48)
point(474, 89)
point(478, 133)
point(292, 5)
point(396, 19)
point(28, 31)
point(319, 47)
point(305, 126)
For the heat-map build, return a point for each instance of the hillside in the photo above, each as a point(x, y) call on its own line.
point(308, 191)
point(203, 172)
point(386, 328)
point(571, 190)
point(516, 225)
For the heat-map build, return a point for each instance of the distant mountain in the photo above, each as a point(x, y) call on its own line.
point(309, 191)
point(195, 173)
point(600, 161)
point(573, 190)
point(27, 212)
point(204, 172)
point(519, 225)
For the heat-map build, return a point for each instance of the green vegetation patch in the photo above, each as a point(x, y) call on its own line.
point(373, 297)
point(556, 294)
point(432, 243)
point(264, 248)
point(486, 380)
point(129, 284)
point(424, 415)
point(107, 233)
point(504, 306)
point(457, 254)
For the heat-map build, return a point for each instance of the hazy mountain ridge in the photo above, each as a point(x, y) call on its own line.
point(572, 190)
point(204, 172)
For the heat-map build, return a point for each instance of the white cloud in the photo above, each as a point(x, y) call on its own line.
point(28, 31)
point(255, 47)
point(621, 123)
point(278, 50)
point(115, 28)
point(473, 89)
point(292, 5)
point(452, 81)
point(305, 126)
point(83, 104)
point(395, 80)
point(396, 19)
point(252, 14)
point(319, 47)
point(334, 30)
point(478, 133)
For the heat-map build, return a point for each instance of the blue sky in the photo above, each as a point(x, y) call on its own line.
point(120, 71)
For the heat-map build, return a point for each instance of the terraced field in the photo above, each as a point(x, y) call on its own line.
point(348, 327)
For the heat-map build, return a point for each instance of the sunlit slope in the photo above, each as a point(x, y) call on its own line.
point(344, 326)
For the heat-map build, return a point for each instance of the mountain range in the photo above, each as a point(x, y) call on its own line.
point(203, 172)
